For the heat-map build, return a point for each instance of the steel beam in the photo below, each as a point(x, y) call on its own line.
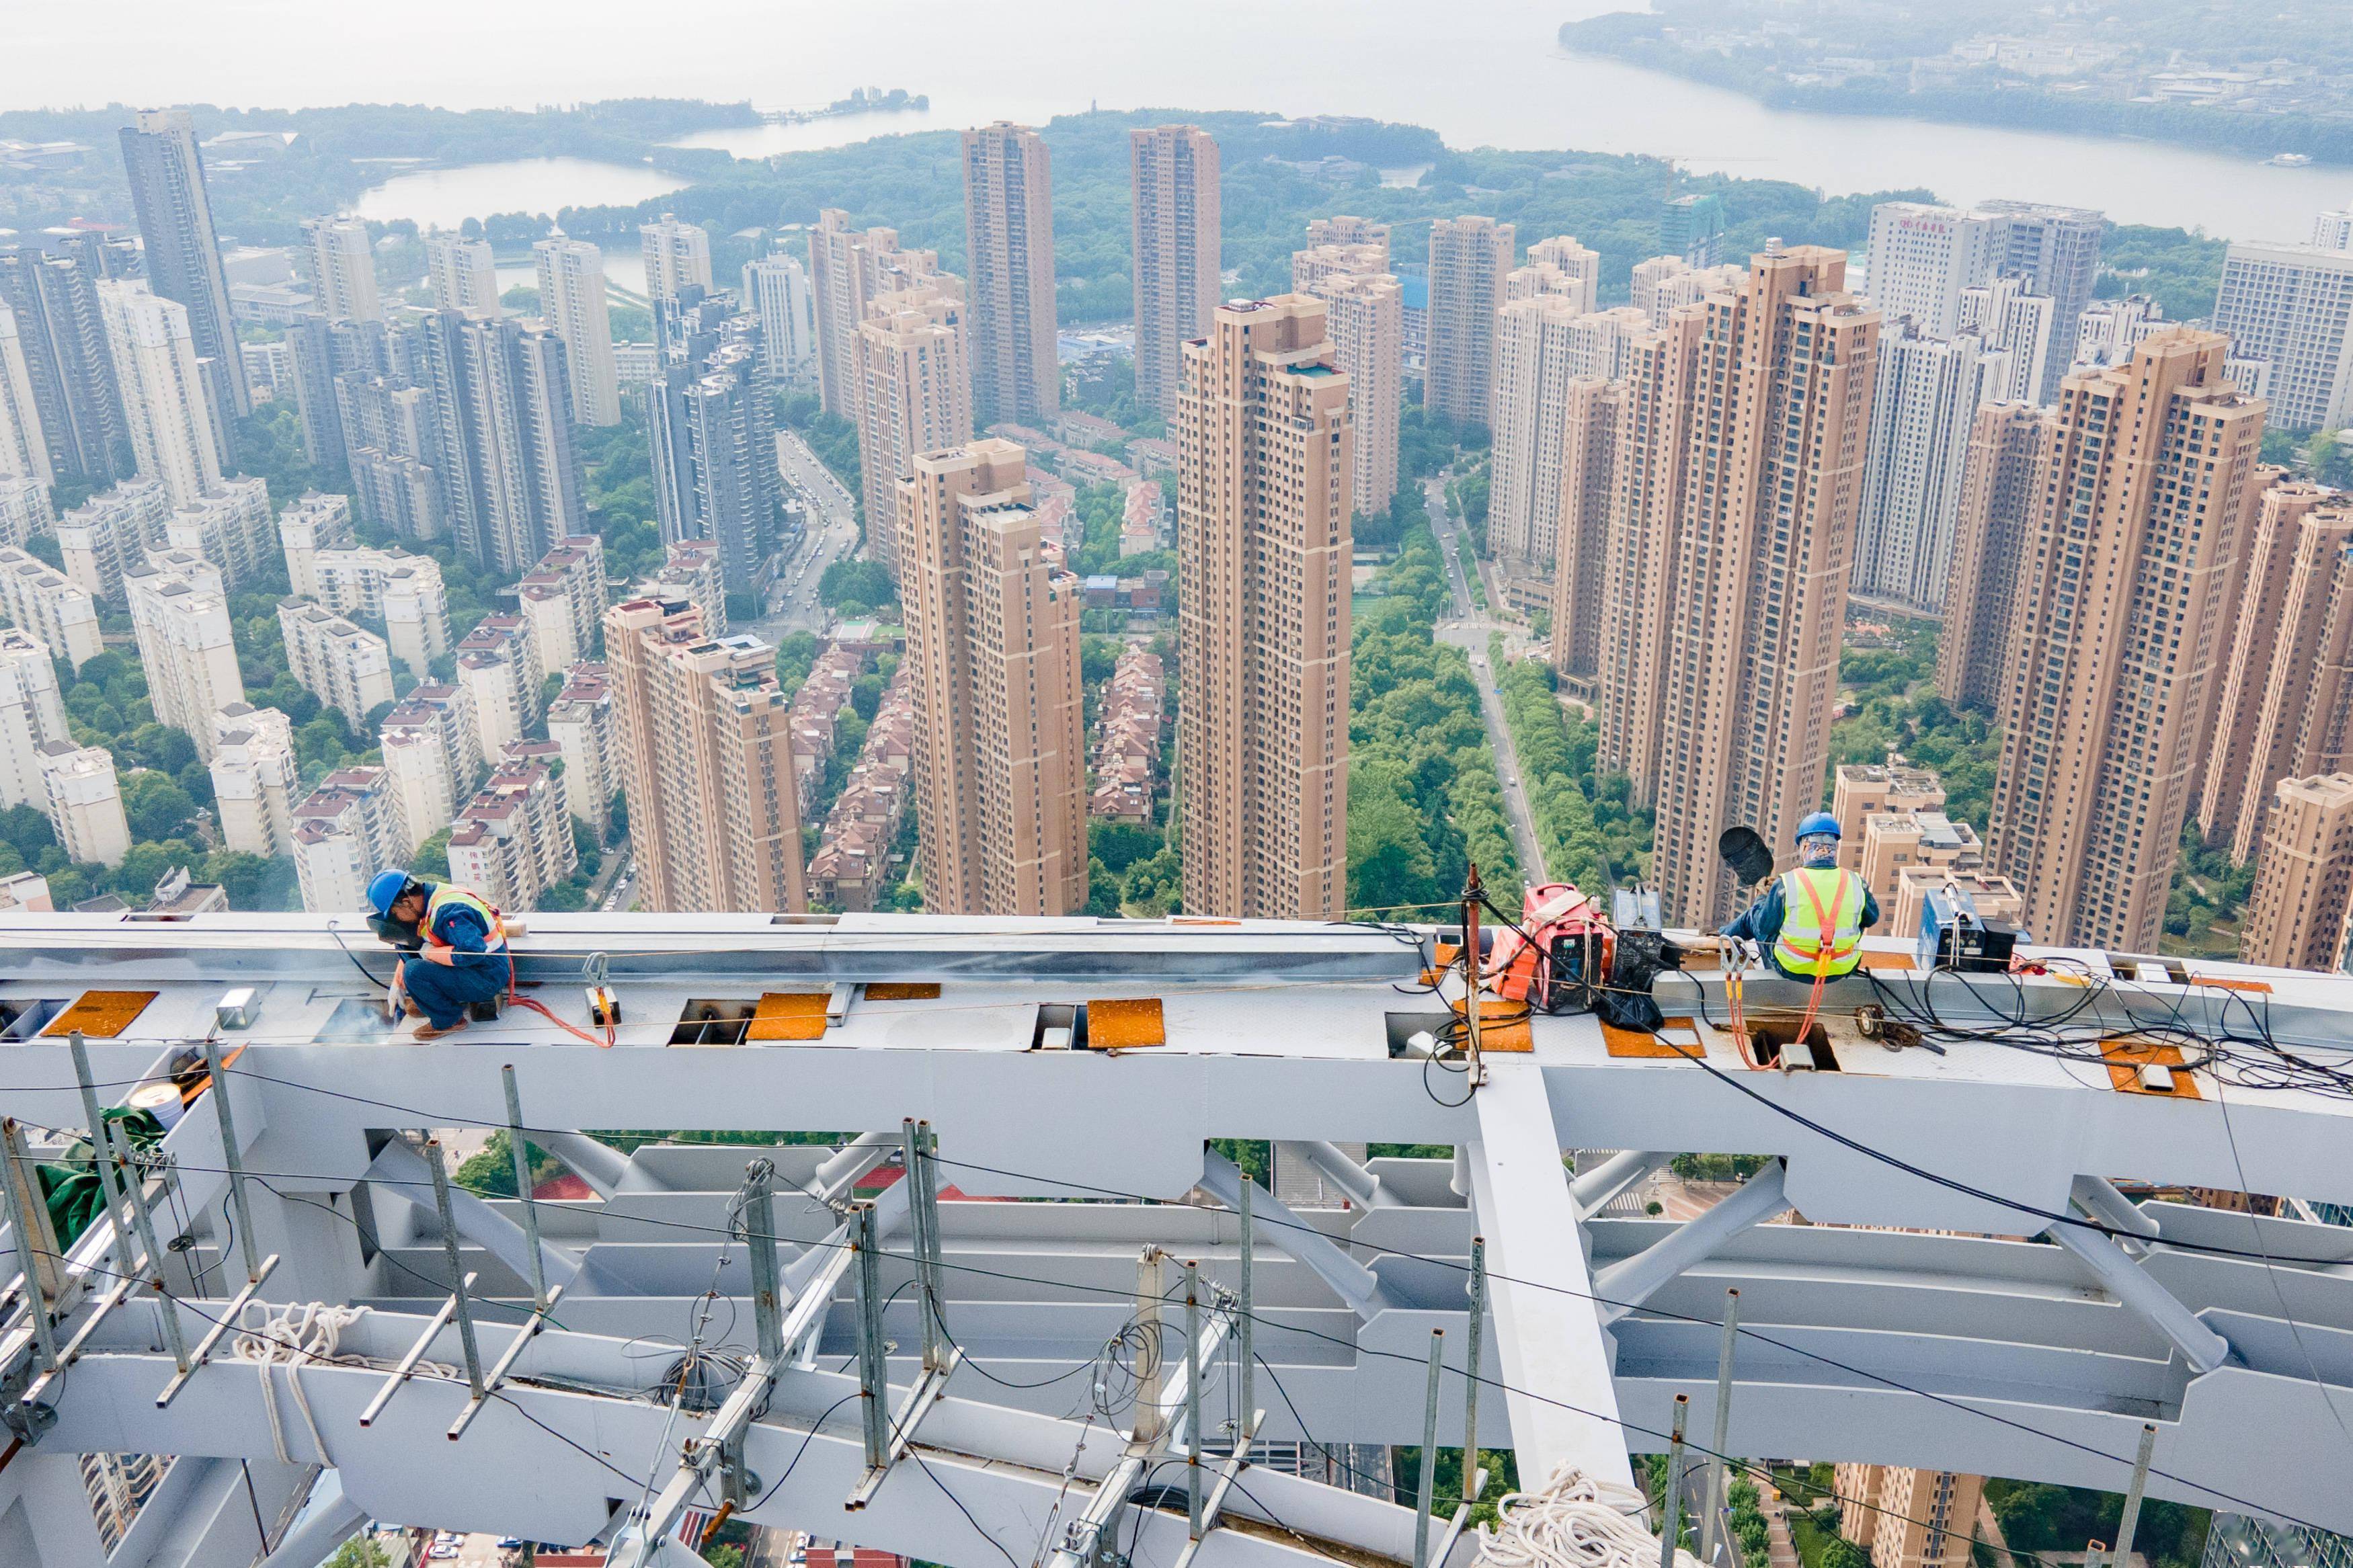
point(1356, 1284)
point(400, 1170)
point(598, 1164)
point(1629, 1282)
point(327, 1521)
point(1612, 1176)
point(1363, 1188)
point(2143, 1297)
point(2098, 1198)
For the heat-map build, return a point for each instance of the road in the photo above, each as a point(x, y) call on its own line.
point(1468, 630)
point(832, 536)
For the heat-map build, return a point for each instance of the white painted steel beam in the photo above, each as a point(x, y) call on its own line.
point(1628, 1283)
point(1284, 1230)
point(2131, 1285)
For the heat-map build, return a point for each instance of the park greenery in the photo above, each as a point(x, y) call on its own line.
point(1587, 827)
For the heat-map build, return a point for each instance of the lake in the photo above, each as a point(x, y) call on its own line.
point(1481, 72)
point(444, 199)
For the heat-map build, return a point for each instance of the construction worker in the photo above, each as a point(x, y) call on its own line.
point(459, 943)
point(1810, 922)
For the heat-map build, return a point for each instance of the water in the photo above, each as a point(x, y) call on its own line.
point(444, 199)
point(1481, 72)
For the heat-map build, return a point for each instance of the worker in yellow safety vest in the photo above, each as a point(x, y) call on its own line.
point(460, 945)
point(1810, 922)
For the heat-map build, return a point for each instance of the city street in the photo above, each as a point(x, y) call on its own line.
point(1468, 630)
point(832, 536)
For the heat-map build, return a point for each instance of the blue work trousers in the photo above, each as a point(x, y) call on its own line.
point(443, 995)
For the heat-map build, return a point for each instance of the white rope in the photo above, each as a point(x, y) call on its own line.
point(1574, 1523)
point(289, 1336)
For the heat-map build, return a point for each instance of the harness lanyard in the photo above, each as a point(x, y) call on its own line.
point(1826, 929)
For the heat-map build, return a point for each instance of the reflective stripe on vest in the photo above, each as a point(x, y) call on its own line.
point(447, 897)
point(1820, 934)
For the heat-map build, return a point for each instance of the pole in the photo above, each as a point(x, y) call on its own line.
point(1426, 1491)
point(1674, 1497)
point(522, 1189)
point(2131, 1520)
point(110, 1180)
point(35, 1245)
point(873, 1370)
point(1243, 1323)
point(1151, 1422)
point(1712, 1509)
point(456, 1269)
point(1471, 965)
point(760, 1240)
point(1474, 1482)
point(235, 1160)
point(144, 1222)
point(1192, 1399)
point(923, 1218)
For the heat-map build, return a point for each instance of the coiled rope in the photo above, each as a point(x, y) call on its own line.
point(1574, 1521)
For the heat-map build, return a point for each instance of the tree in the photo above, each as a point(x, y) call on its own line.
point(1102, 891)
point(1388, 865)
point(1840, 1552)
point(157, 808)
point(432, 857)
point(360, 1551)
point(2031, 1517)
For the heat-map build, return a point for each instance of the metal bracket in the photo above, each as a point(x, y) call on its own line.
point(221, 1325)
point(499, 1370)
point(1216, 1500)
point(918, 1403)
point(19, 1414)
point(408, 1367)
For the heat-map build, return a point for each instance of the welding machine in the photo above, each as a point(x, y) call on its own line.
point(1954, 935)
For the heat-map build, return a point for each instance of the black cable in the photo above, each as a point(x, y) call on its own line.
point(809, 1437)
point(916, 1455)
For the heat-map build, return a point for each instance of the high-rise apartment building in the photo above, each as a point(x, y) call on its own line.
point(563, 599)
point(61, 335)
point(404, 593)
point(231, 528)
point(1907, 1518)
point(1343, 229)
point(2006, 315)
point(676, 254)
point(432, 756)
point(1922, 421)
point(1263, 541)
point(1363, 308)
point(1009, 216)
point(846, 269)
point(463, 274)
point(32, 714)
point(712, 429)
point(513, 841)
point(1922, 257)
point(1993, 533)
point(1583, 477)
point(706, 763)
point(330, 362)
point(1549, 350)
point(342, 268)
point(993, 636)
point(182, 251)
point(2296, 914)
point(571, 300)
point(255, 779)
point(23, 445)
point(312, 522)
point(2109, 330)
point(498, 664)
point(181, 619)
point(25, 510)
point(1173, 171)
point(510, 474)
point(1665, 282)
point(580, 722)
point(2279, 710)
point(2059, 250)
point(2289, 309)
point(1738, 608)
point(345, 667)
point(110, 533)
point(84, 802)
point(344, 834)
point(172, 436)
point(1469, 259)
point(914, 395)
point(1692, 227)
point(690, 571)
point(1560, 268)
point(49, 604)
point(2150, 488)
point(776, 290)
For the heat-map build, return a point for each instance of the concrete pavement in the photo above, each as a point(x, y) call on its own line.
point(1468, 631)
point(832, 536)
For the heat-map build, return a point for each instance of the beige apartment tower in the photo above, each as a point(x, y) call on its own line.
point(2296, 914)
point(992, 637)
point(1576, 489)
point(1741, 622)
point(1263, 539)
point(2009, 446)
point(706, 763)
point(1009, 216)
point(2120, 637)
point(847, 268)
point(1907, 1518)
point(1174, 170)
point(571, 300)
point(1469, 259)
point(1364, 314)
point(914, 395)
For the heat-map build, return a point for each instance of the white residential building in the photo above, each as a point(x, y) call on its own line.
point(342, 268)
point(1546, 346)
point(347, 668)
point(776, 290)
point(255, 773)
point(513, 841)
point(185, 646)
point(24, 444)
point(1923, 257)
point(172, 435)
point(2334, 230)
point(2006, 314)
point(580, 722)
point(1663, 283)
point(2111, 329)
point(403, 592)
point(432, 755)
point(2289, 309)
point(107, 535)
point(32, 714)
point(461, 273)
point(498, 663)
point(1559, 267)
point(230, 527)
point(24, 509)
point(571, 300)
point(84, 802)
point(49, 604)
point(27, 891)
point(1924, 409)
point(564, 600)
point(677, 254)
point(343, 835)
point(308, 526)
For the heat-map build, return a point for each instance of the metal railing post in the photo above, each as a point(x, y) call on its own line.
point(923, 1218)
point(217, 1083)
point(1674, 1497)
point(873, 1366)
point(144, 1222)
point(1712, 1509)
point(110, 1180)
point(522, 1189)
point(2130, 1523)
point(457, 1270)
point(1473, 1478)
point(1245, 1308)
point(1193, 1399)
point(37, 1244)
point(1150, 1421)
point(760, 1240)
point(1426, 1494)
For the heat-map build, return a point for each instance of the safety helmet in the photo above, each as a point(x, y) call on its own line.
point(1821, 823)
point(383, 890)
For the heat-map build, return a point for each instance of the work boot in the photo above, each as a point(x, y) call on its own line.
point(427, 1032)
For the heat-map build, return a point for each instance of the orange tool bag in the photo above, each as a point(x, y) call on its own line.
point(1562, 961)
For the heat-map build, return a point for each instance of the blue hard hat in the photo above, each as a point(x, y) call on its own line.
point(385, 889)
point(1820, 822)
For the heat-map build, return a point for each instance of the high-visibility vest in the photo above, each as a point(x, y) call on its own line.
point(447, 897)
point(1821, 911)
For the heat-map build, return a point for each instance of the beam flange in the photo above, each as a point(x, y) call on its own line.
point(2142, 1296)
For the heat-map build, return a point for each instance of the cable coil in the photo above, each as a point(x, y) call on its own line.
point(1575, 1522)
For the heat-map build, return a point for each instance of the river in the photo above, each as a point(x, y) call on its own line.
point(1481, 72)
